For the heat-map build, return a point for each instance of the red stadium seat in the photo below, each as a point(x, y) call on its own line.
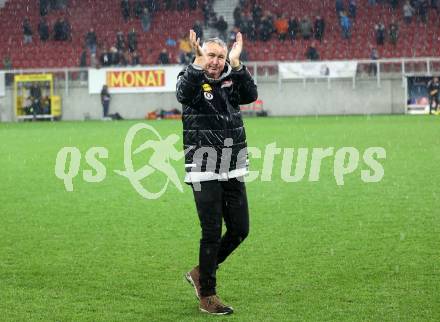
point(105, 16)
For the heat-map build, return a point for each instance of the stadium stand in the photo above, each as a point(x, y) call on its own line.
point(103, 15)
point(416, 39)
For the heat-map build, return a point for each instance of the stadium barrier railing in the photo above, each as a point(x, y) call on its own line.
point(66, 78)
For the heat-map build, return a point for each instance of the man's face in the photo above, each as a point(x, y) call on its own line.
point(215, 56)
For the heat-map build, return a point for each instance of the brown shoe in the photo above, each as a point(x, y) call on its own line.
point(193, 278)
point(213, 305)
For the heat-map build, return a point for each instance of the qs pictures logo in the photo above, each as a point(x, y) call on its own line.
point(347, 161)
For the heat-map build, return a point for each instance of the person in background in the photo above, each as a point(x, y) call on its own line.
point(408, 12)
point(198, 28)
point(339, 4)
point(124, 61)
point(345, 25)
point(380, 33)
point(28, 107)
point(43, 30)
point(45, 105)
point(120, 41)
point(53, 4)
point(319, 28)
point(93, 61)
point(57, 30)
point(394, 4)
point(394, 32)
point(306, 28)
point(180, 5)
point(145, 20)
point(66, 29)
point(281, 26)
point(293, 28)
point(83, 58)
point(138, 8)
point(135, 59)
point(35, 94)
point(433, 92)
point(374, 55)
point(164, 58)
point(257, 14)
point(83, 64)
point(237, 16)
point(185, 51)
point(192, 4)
point(44, 7)
point(352, 8)
point(168, 4)
point(7, 62)
point(423, 7)
point(222, 27)
point(7, 65)
point(105, 58)
point(27, 31)
point(62, 30)
point(210, 91)
point(91, 40)
point(266, 27)
point(125, 9)
point(132, 40)
point(170, 42)
point(105, 100)
point(312, 52)
point(115, 57)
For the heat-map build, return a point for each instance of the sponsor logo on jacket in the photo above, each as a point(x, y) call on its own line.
point(207, 88)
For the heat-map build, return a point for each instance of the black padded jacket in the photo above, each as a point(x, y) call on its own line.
point(211, 114)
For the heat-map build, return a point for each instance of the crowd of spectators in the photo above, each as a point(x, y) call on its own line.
point(250, 18)
point(137, 8)
point(144, 10)
point(418, 8)
point(61, 30)
point(381, 33)
point(264, 25)
point(48, 5)
point(122, 53)
point(36, 103)
point(259, 25)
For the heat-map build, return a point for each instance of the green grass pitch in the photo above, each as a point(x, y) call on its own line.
point(316, 251)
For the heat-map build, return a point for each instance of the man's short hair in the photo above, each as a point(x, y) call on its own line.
point(217, 41)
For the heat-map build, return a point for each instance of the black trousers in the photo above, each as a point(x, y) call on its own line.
point(214, 201)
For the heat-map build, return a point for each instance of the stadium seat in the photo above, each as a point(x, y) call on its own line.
point(414, 40)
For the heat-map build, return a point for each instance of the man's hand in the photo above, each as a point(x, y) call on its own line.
point(197, 50)
point(237, 47)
